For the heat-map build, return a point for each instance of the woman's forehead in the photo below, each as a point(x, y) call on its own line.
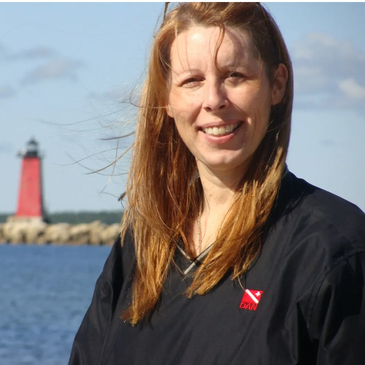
point(198, 43)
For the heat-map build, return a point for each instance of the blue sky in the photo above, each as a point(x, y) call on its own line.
point(67, 70)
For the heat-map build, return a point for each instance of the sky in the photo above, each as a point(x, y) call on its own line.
point(69, 73)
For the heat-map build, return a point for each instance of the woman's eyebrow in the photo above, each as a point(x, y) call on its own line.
point(184, 72)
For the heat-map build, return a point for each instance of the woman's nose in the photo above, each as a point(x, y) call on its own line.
point(215, 97)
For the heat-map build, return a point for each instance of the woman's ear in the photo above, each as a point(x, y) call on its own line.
point(168, 111)
point(279, 84)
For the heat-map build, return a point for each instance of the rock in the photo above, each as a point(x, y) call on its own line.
point(96, 229)
point(2, 237)
point(110, 234)
point(18, 231)
point(79, 234)
point(22, 230)
point(14, 232)
point(56, 233)
point(34, 231)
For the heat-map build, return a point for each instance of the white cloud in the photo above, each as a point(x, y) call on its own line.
point(6, 91)
point(325, 70)
point(352, 89)
point(308, 79)
point(3, 52)
point(54, 69)
point(34, 53)
point(308, 48)
point(37, 52)
point(54, 66)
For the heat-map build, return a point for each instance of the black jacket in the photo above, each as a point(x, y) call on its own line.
point(302, 302)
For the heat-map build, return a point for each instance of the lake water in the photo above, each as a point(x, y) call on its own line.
point(44, 294)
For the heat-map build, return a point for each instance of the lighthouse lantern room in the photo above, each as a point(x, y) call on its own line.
point(30, 197)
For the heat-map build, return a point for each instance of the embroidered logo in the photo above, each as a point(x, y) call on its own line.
point(251, 299)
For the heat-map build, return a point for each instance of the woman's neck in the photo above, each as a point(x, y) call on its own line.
point(219, 191)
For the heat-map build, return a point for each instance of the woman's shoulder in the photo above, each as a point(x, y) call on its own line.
point(315, 240)
point(123, 253)
point(309, 213)
point(119, 264)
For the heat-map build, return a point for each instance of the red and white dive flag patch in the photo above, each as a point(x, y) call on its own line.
point(251, 299)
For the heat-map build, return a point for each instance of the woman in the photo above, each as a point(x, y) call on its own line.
point(225, 257)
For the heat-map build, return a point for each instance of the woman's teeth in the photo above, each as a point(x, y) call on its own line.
point(220, 131)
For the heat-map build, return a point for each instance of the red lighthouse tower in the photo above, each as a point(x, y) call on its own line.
point(30, 198)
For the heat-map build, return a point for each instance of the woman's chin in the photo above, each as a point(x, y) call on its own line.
point(223, 165)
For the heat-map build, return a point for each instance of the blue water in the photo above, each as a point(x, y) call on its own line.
point(44, 294)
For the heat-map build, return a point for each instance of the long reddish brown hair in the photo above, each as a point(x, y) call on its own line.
point(163, 191)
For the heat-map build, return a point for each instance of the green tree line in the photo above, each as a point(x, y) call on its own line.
point(107, 217)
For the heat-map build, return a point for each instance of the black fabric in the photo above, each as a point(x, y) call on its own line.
point(309, 276)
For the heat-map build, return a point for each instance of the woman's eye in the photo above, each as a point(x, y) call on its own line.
point(235, 75)
point(235, 78)
point(192, 81)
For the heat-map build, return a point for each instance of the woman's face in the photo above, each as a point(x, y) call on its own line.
point(221, 107)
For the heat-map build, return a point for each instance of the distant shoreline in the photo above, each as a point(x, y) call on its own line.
point(67, 244)
point(78, 217)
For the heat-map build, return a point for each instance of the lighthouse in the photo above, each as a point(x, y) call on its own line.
point(30, 198)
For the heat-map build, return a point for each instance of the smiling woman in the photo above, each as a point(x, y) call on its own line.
point(225, 256)
point(221, 102)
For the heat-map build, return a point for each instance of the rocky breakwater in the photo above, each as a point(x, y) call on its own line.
point(37, 232)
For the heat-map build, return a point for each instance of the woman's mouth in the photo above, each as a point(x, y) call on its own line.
point(222, 130)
